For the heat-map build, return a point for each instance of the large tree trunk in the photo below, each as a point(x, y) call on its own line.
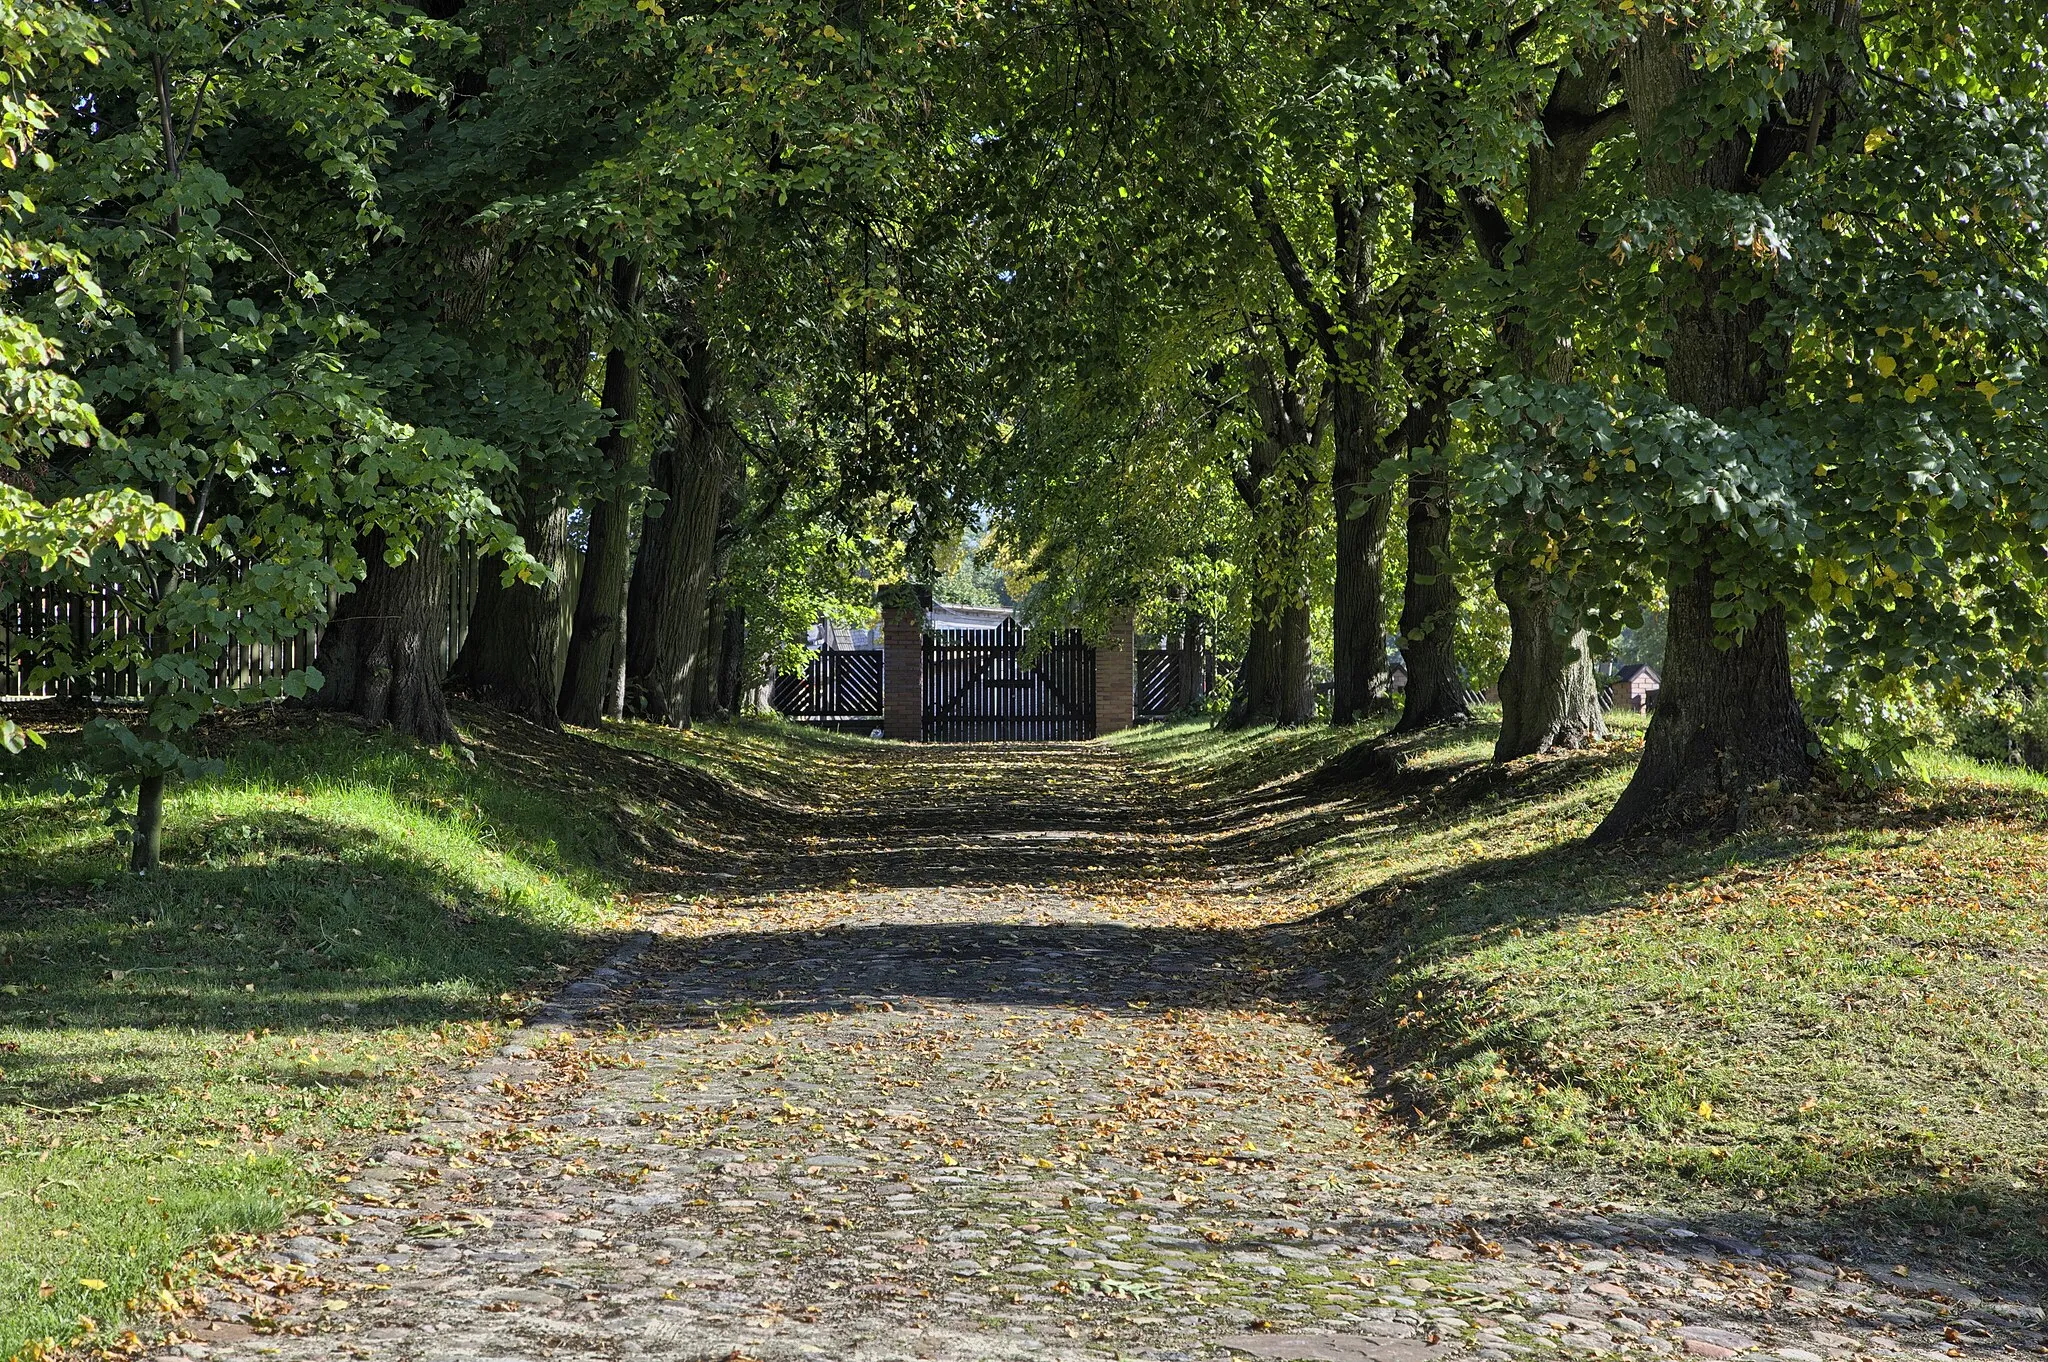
point(1727, 721)
point(707, 701)
point(380, 658)
point(1436, 692)
point(1358, 619)
point(1549, 695)
point(1278, 487)
point(510, 658)
point(704, 678)
point(672, 581)
point(589, 692)
point(1727, 718)
point(1273, 682)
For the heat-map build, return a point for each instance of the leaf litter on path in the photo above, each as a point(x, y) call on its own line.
point(989, 1066)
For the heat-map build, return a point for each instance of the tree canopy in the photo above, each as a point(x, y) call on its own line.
point(1430, 346)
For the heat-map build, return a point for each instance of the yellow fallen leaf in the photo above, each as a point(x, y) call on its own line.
point(92, 1283)
point(1706, 1108)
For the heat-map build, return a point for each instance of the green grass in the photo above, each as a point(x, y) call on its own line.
point(185, 1057)
point(1840, 1011)
point(1843, 1011)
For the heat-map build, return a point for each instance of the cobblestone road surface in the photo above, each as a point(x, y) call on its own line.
point(1000, 1065)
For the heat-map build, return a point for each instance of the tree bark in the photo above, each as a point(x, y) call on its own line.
point(704, 678)
point(708, 700)
point(147, 853)
point(1550, 697)
point(380, 658)
point(1273, 682)
point(678, 546)
point(1436, 692)
point(1728, 719)
point(596, 642)
point(1345, 330)
point(1727, 722)
point(1278, 487)
point(732, 659)
point(1358, 609)
point(510, 660)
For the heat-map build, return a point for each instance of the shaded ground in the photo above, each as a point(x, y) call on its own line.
point(1004, 1053)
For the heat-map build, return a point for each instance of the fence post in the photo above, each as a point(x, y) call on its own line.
point(1115, 677)
point(902, 664)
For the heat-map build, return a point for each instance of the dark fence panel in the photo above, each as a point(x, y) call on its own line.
point(978, 687)
point(1159, 677)
point(41, 611)
point(841, 688)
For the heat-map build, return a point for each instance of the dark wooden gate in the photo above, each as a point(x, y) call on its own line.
point(841, 688)
point(1158, 684)
point(978, 687)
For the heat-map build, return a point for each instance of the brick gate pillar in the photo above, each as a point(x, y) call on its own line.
point(902, 669)
point(1115, 677)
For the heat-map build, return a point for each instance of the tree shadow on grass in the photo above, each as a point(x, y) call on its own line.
point(293, 936)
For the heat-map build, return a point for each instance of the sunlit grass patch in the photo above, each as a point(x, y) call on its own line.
point(185, 1056)
point(1844, 1007)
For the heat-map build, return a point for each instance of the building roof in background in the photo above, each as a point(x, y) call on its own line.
point(1635, 669)
point(944, 615)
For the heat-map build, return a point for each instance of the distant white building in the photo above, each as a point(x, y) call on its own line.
point(946, 616)
point(942, 615)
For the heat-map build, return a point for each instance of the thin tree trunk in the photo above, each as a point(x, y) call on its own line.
point(1549, 695)
point(596, 641)
point(732, 659)
point(678, 550)
point(704, 677)
point(380, 658)
point(509, 659)
point(1188, 663)
point(147, 852)
point(1727, 718)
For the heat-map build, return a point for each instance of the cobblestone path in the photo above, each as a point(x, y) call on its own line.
point(996, 1066)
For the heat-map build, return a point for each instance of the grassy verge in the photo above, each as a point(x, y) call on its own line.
point(186, 1057)
point(1844, 1011)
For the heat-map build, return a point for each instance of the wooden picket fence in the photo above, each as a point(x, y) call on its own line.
point(38, 612)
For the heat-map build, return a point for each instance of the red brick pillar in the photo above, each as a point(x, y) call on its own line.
point(1115, 668)
point(902, 673)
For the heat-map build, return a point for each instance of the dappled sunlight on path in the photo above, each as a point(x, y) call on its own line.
point(990, 1057)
